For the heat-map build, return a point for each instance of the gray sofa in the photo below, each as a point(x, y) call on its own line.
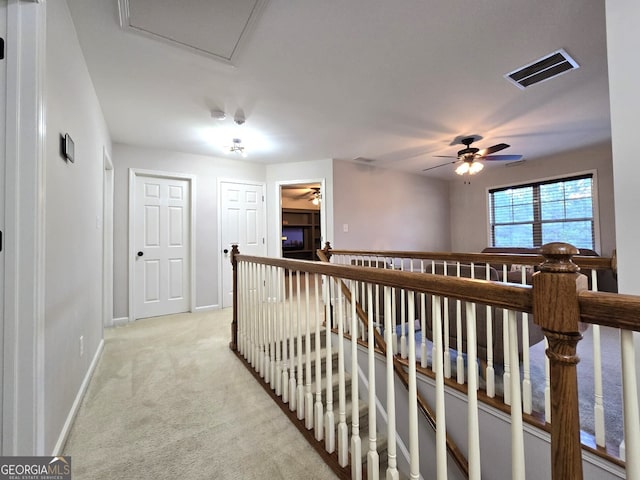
point(496, 314)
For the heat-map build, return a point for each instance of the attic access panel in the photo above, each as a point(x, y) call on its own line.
point(216, 28)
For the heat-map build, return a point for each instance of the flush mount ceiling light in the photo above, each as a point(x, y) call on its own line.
point(237, 147)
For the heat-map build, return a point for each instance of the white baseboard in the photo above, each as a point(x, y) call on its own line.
point(206, 308)
point(57, 450)
point(120, 321)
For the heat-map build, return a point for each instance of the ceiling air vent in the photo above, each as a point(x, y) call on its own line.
point(550, 66)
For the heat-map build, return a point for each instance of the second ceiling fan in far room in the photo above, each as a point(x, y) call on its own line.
point(470, 156)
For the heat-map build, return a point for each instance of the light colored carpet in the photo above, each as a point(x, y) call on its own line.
point(170, 400)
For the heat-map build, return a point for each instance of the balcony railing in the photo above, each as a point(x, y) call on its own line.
point(335, 340)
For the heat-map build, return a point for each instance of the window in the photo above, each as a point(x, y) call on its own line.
point(531, 215)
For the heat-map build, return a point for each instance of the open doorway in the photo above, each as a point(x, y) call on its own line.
point(301, 213)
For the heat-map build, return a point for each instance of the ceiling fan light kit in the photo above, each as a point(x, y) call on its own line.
point(469, 157)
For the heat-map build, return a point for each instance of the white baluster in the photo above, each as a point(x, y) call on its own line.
point(356, 442)
point(506, 376)
point(318, 409)
point(253, 347)
point(490, 372)
point(392, 465)
point(394, 332)
point(403, 318)
point(343, 430)
point(547, 385)
point(423, 325)
point(268, 367)
point(308, 396)
point(472, 395)
point(414, 445)
point(441, 425)
point(292, 348)
point(526, 364)
point(285, 339)
point(373, 459)
point(630, 405)
point(241, 306)
point(275, 374)
point(329, 418)
point(262, 323)
point(517, 432)
point(598, 407)
point(459, 359)
point(300, 382)
point(280, 346)
point(435, 352)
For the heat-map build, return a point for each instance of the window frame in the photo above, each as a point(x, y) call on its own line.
point(551, 179)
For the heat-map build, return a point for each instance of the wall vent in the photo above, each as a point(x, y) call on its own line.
point(550, 66)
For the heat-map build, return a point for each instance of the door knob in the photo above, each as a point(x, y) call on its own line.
point(225, 251)
point(140, 254)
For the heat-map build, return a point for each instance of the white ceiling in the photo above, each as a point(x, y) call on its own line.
point(392, 82)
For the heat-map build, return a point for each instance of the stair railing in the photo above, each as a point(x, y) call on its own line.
point(556, 299)
point(408, 378)
point(503, 267)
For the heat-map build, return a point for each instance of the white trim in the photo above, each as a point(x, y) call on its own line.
point(66, 428)
point(207, 308)
point(23, 387)
point(107, 238)
point(323, 210)
point(120, 321)
point(596, 203)
point(221, 259)
point(133, 173)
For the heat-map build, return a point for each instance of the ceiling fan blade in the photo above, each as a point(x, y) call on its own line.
point(502, 157)
point(445, 156)
point(494, 149)
point(438, 166)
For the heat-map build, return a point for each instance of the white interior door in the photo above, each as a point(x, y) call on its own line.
point(161, 246)
point(242, 223)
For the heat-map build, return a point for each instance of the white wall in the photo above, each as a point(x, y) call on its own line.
point(207, 171)
point(73, 257)
point(386, 209)
point(300, 172)
point(622, 38)
point(469, 207)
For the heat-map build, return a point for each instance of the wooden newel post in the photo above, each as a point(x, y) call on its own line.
point(233, 345)
point(556, 310)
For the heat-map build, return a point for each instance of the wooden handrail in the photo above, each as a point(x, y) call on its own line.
point(401, 373)
point(610, 309)
point(597, 263)
point(504, 295)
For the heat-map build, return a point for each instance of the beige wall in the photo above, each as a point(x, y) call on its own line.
point(387, 210)
point(469, 208)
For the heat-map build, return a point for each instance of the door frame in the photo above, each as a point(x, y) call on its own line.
point(138, 172)
point(323, 208)
point(220, 246)
point(25, 207)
